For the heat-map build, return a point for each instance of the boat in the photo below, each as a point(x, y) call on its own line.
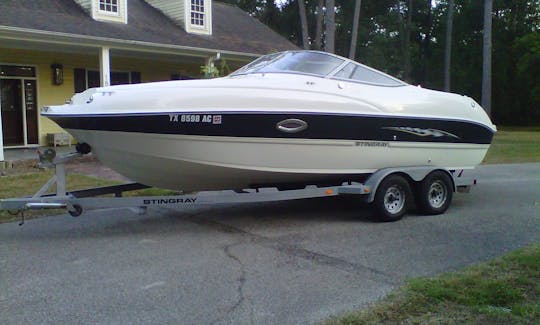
point(294, 117)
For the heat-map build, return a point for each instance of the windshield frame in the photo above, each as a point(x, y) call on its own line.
point(329, 75)
point(248, 69)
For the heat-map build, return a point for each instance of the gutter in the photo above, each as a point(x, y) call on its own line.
point(41, 36)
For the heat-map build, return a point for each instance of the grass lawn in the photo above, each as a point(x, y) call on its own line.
point(514, 145)
point(503, 291)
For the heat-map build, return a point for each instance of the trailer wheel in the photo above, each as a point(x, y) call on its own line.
point(434, 193)
point(392, 198)
point(77, 212)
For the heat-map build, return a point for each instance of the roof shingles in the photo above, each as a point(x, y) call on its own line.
point(233, 29)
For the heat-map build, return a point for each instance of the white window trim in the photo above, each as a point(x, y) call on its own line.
point(102, 15)
point(203, 12)
point(205, 29)
point(110, 13)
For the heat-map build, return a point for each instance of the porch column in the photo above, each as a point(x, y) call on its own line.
point(105, 67)
point(1, 139)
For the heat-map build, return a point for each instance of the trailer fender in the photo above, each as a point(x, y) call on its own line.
point(416, 174)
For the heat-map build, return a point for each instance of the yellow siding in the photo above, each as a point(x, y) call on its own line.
point(49, 94)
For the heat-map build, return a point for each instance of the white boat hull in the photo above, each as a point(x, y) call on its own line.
point(187, 162)
point(294, 117)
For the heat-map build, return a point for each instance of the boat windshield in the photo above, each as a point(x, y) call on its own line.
point(315, 63)
point(359, 73)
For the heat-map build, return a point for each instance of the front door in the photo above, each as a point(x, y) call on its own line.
point(18, 105)
point(12, 113)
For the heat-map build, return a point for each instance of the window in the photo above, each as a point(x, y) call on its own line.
point(109, 6)
point(109, 10)
point(346, 72)
point(17, 71)
point(178, 76)
point(360, 73)
point(197, 13)
point(85, 79)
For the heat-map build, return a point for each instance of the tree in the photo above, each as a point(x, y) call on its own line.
point(448, 47)
point(304, 24)
point(527, 52)
point(426, 43)
point(330, 32)
point(354, 36)
point(486, 57)
point(406, 37)
point(318, 25)
point(407, 43)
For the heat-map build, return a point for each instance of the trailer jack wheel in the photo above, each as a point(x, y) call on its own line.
point(392, 198)
point(434, 193)
point(77, 210)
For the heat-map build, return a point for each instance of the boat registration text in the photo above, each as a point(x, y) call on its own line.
point(195, 118)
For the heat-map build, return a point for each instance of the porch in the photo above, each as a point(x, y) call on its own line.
point(34, 74)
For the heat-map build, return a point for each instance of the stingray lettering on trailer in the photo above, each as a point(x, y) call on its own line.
point(170, 201)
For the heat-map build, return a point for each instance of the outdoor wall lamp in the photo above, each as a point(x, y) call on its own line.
point(57, 74)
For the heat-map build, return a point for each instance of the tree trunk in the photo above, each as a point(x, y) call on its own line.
point(330, 26)
point(354, 36)
point(448, 47)
point(303, 22)
point(407, 46)
point(486, 60)
point(318, 26)
point(427, 43)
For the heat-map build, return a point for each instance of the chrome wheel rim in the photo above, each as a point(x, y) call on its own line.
point(437, 194)
point(394, 200)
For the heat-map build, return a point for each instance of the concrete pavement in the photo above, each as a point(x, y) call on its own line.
point(267, 263)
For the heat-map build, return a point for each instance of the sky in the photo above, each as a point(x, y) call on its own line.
point(280, 3)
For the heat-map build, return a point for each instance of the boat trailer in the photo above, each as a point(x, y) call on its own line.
point(389, 189)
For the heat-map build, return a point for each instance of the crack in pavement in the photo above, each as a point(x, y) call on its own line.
point(227, 250)
point(241, 279)
point(241, 283)
point(296, 251)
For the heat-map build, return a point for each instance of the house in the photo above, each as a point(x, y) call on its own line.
point(51, 49)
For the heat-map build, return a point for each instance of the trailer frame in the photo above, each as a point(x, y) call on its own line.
point(75, 202)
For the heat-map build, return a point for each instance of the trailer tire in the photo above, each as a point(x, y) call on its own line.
point(392, 198)
point(434, 193)
point(77, 212)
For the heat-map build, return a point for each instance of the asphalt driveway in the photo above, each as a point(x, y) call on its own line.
point(265, 263)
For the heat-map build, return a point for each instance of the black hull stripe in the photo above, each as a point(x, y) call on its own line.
point(434, 118)
point(319, 126)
